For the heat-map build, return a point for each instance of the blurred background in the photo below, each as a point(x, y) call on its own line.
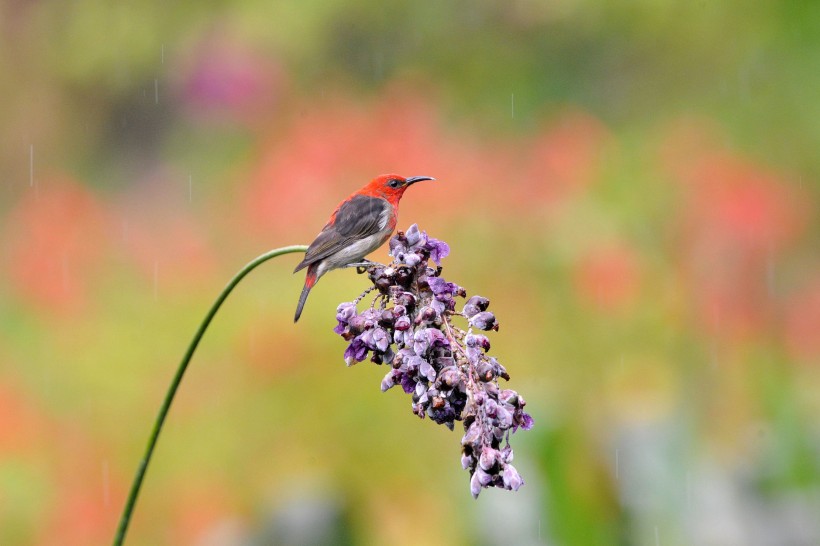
point(634, 185)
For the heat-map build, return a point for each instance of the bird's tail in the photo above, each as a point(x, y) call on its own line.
point(310, 281)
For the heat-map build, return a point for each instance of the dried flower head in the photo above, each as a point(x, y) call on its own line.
point(409, 326)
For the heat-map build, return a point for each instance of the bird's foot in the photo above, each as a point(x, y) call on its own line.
point(362, 266)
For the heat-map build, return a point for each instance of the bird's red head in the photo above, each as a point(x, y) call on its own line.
point(391, 186)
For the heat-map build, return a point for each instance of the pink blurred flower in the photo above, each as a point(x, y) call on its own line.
point(227, 79)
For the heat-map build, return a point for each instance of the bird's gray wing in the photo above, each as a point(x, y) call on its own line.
point(355, 219)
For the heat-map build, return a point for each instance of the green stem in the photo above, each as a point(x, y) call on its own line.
point(169, 396)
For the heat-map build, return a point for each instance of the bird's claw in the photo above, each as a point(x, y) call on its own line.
point(362, 266)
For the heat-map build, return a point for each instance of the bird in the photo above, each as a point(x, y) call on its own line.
point(359, 225)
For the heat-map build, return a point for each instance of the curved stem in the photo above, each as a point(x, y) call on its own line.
point(172, 389)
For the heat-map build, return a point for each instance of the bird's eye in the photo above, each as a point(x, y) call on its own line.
point(394, 183)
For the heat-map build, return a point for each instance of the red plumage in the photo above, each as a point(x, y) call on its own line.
point(359, 225)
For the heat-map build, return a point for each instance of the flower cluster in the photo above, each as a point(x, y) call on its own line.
point(409, 327)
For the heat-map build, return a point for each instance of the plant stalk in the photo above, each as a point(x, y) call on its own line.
point(172, 389)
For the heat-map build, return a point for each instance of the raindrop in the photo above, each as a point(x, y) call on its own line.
point(162, 54)
point(617, 464)
point(156, 91)
point(657, 537)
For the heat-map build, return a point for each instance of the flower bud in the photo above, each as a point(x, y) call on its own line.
point(383, 284)
point(479, 301)
point(402, 323)
point(357, 324)
point(448, 377)
point(475, 485)
point(427, 314)
point(477, 340)
point(413, 235)
point(487, 459)
point(387, 318)
point(404, 276)
point(475, 305)
point(512, 479)
point(472, 436)
point(484, 321)
point(485, 372)
point(509, 396)
point(407, 300)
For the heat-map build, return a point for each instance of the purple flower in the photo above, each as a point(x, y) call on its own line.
point(524, 421)
point(439, 286)
point(438, 250)
point(356, 352)
point(410, 326)
point(427, 339)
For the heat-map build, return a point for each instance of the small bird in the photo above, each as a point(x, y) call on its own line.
point(358, 226)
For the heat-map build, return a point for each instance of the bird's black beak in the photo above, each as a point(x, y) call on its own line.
point(414, 179)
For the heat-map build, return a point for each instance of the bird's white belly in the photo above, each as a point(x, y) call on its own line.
point(353, 253)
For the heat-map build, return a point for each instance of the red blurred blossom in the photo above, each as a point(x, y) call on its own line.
point(564, 158)
point(737, 218)
point(608, 277)
point(88, 491)
point(55, 238)
point(333, 149)
point(802, 323)
point(23, 426)
point(83, 495)
point(81, 518)
point(743, 205)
